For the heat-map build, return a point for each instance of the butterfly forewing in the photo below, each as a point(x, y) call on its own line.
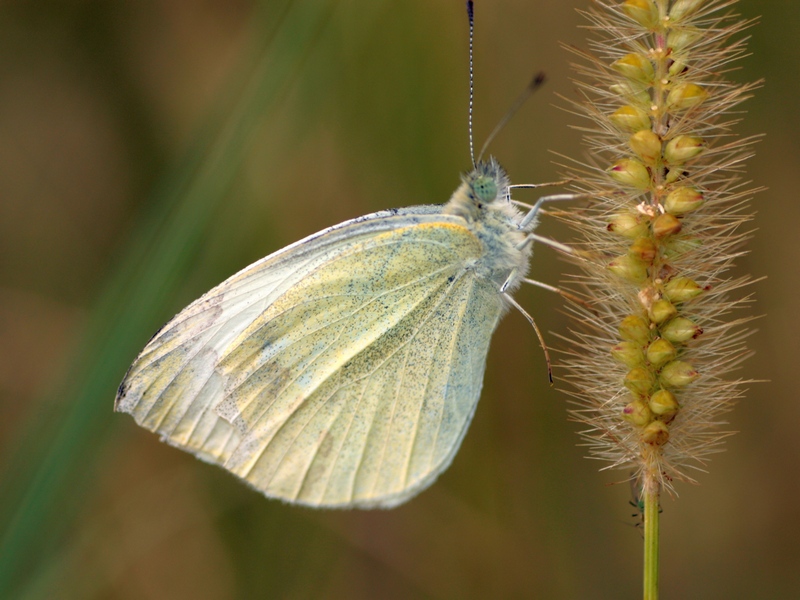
point(155, 388)
point(341, 371)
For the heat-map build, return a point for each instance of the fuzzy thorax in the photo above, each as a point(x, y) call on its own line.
point(483, 201)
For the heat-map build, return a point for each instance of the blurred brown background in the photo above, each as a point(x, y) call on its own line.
point(149, 149)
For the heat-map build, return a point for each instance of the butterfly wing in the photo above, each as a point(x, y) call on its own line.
point(340, 371)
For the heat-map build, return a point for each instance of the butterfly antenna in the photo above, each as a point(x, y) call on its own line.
point(534, 85)
point(471, 16)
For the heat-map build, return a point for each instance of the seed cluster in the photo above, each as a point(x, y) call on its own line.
point(663, 226)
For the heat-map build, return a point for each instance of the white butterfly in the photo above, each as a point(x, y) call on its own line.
point(343, 370)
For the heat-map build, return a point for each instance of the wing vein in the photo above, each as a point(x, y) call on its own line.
point(336, 390)
point(291, 414)
point(173, 378)
point(221, 324)
point(419, 413)
point(394, 404)
point(457, 331)
point(327, 325)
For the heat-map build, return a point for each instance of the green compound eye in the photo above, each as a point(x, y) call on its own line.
point(485, 189)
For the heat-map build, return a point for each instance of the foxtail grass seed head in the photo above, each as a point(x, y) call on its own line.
point(628, 353)
point(683, 148)
point(645, 249)
point(652, 374)
point(634, 328)
point(660, 352)
point(680, 330)
point(629, 225)
point(681, 38)
point(682, 200)
point(630, 118)
point(666, 224)
point(681, 289)
point(635, 67)
point(661, 311)
point(683, 9)
point(643, 12)
point(631, 173)
point(637, 413)
point(655, 433)
point(640, 380)
point(685, 96)
point(664, 404)
point(629, 267)
point(647, 145)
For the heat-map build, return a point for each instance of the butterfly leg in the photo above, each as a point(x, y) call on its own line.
point(511, 277)
point(516, 305)
point(532, 186)
point(532, 237)
point(560, 292)
point(534, 211)
point(553, 244)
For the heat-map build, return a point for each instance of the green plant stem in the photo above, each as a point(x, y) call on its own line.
point(651, 513)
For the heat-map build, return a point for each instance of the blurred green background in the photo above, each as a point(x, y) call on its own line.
point(149, 149)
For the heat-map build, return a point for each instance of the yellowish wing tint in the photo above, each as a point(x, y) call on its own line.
point(341, 371)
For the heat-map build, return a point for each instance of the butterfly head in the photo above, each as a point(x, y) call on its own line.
point(487, 182)
point(483, 188)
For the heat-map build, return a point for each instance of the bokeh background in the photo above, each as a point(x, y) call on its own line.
point(149, 149)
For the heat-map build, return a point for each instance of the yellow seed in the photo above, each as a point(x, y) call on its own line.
point(674, 175)
point(628, 353)
point(683, 9)
point(638, 413)
point(681, 289)
point(656, 433)
point(629, 267)
point(645, 249)
point(682, 200)
point(644, 12)
point(679, 39)
point(628, 225)
point(684, 96)
point(682, 148)
point(639, 380)
point(632, 91)
point(647, 145)
point(660, 352)
point(661, 311)
point(665, 225)
point(678, 373)
point(677, 246)
point(677, 67)
point(635, 67)
point(630, 118)
point(634, 328)
point(630, 172)
point(664, 404)
point(679, 330)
